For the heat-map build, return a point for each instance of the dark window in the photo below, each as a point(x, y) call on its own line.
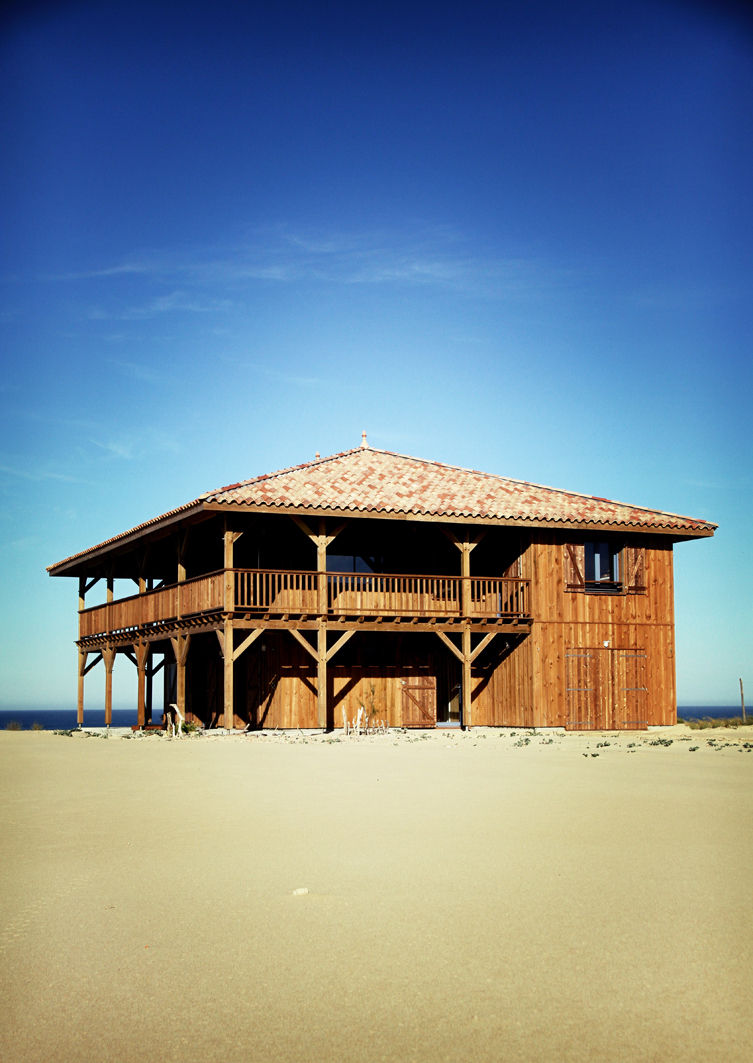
point(601, 564)
point(604, 567)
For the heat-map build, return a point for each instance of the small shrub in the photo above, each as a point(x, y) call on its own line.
point(37, 726)
point(13, 725)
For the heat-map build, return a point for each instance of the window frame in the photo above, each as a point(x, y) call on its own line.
point(627, 572)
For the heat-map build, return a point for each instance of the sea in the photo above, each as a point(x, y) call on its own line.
point(65, 719)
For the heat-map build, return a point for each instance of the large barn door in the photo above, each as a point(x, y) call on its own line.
point(629, 690)
point(420, 701)
point(584, 694)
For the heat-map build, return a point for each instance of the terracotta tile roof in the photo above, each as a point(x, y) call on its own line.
point(380, 482)
point(366, 480)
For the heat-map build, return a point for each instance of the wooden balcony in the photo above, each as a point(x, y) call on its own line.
point(336, 596)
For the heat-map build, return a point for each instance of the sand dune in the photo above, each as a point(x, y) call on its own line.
point(467, 897)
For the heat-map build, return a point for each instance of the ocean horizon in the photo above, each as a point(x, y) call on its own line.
point(65, 719)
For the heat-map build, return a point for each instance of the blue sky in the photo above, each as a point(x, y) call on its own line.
point(509, 236)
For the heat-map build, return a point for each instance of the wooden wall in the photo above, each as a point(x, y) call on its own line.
point(572, 619)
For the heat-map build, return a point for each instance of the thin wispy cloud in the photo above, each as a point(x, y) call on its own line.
point(426, 256)
point(173, 302)
point(35, 473)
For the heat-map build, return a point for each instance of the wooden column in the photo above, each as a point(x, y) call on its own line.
point(181, 573)
point(149, 698)
point(466, 715)
point(180, 645)
point(141, 652)
point(82, 656)
point(108, 655)
point(321, 675)
point(228, 699)
point(321, 540)
point(229, 540)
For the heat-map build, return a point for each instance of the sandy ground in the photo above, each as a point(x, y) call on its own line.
point(470, 897)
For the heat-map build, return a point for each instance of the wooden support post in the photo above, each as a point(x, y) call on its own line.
point(465, 546)
point(82, 655)
point(467, 659)
point(110, 589)
point(180, 645)
point(321, 541)
point(141, 650)
point(108, 655)
point(149, 693)
point(228, 689)
point(229, 539)
point(321, 676)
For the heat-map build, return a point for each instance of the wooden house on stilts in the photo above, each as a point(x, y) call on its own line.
point(429, 594)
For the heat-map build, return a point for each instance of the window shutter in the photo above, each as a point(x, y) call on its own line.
point(635, 570)
point(574, 565)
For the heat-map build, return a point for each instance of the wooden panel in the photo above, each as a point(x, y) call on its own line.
point(583, 693)
point(629, 689)
point(502, 685)
point(419, 701)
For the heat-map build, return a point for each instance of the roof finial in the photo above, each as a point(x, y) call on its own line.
point(364, 444)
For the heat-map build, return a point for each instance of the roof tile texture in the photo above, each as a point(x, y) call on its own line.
point(367, 480)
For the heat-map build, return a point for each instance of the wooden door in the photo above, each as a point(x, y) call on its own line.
point(419, 703)
point(629, 690)
point(606, 689)
point(583, 674)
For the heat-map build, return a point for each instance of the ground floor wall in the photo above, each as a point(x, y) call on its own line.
point(581, 676)
point(596, 676)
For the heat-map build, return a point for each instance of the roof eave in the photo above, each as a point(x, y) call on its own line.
point(677, 532)
point(76, 564)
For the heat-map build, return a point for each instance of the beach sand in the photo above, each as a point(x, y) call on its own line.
point(471, 896)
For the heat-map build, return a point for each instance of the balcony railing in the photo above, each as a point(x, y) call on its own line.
point(278, 593)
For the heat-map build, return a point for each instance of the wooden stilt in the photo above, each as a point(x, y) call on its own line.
point(141, 650)
point(108, 655)
point(149, 693)
point(229, 540)
point(467, 658)
point(321, 676)
point(180, 645)
point(82, 655)
point(229, 693)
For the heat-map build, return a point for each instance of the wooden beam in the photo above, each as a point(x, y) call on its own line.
point(94, 663)
point(482, 645)
point(467, 542)
point(249, 639)
point(339, 644)
point(450, 644)
point(304, 642)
